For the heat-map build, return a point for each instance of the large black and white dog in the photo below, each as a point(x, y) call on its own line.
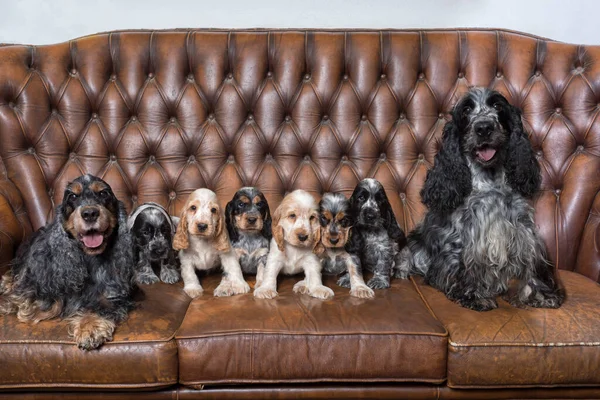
point(152, 230)
point(375, 236)
point(79, 266)
point(479, 232)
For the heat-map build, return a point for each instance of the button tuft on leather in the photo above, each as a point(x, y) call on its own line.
point(307, 158)
point(306, 77)
point(94, 116)
point(461, 75)
point(421, 76)
point(421, 157)
point(134, 198)
point(73, 72)
point(113, 77)
point(31, 150)
point(345, 77)
point(558, 110)
point(403, 196)
point(230, 76)
point(191, 158)
point(152, 159)
point(498, 74)
point(325, 117)
point(113, 157)
point(382, 156)
point(268, 157)
point(383, 77)
point(172, 120)
point(344, 158)
point(441, 115)
point(190, 77)
point(269, 74)
point(538, 73)
point(364, 117)
point(211, 116)
point(172, 195)
point(580, 148)
point(250, 117)
point(402, 116)
point(73, 156)
point(151, 75)
point(231, 158)
point(288, 118)
point(11, 104)
point(133, 118)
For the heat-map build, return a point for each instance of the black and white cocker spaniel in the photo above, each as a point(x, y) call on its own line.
point(78, 267)
point(248, 221)
point(375, 236)
point(479, 232)
point(152, 230)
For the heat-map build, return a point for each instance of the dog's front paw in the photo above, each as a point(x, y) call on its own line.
point(240, 287)
point(145, 278)
point(545, 300)
point(344, 281)
point(479, 304)
point(193, 291)
point(301, 288)
point(362, 292)
point(169, 275)
point(379, 282)
point(92, 331)
point(265, 293)
point(400, 273)
point(321, 292)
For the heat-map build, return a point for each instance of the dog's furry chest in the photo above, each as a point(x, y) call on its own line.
point(492, 222)
point(250, 242)
point(202, 254)
point(333, 261)
point(377, 248)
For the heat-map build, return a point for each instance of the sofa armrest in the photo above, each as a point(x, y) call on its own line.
point(588, 259)
point(14, 223)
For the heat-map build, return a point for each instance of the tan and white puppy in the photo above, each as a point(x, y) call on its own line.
point(203, 244)
point(294, 248)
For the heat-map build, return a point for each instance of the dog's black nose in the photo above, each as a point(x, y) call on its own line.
point(370, 214)
point(90, 214)
point(302, 238)
point(334, 241)
point(159, 251)
point(202, 227)
point(484, 128)
point(252, 220)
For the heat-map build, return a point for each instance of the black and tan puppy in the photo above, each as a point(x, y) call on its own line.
point(335, 219)
point(376, 236)
point(152, 231)
point(78, 267)
point(248, 221)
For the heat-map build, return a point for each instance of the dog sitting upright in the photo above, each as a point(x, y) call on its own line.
point(248, 222)
point(335, 219)
point(152, 230)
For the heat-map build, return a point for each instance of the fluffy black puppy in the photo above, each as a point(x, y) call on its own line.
point(152, 231)
point(248, 221)
point(480, 233)
point(79, 266)
point(376, 236)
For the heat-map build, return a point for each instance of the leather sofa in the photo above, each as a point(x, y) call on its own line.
point(159, 114)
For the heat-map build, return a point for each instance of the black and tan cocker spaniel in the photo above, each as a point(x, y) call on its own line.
point(78, 267)
point(479, 232)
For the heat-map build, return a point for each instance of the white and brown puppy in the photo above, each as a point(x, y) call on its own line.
point(294, 248)
point(203, 244)
point(335, 219)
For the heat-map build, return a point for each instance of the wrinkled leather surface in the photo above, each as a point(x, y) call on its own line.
point(159, 114)
point(298, 338)
point(143, 353)
point(512, 347)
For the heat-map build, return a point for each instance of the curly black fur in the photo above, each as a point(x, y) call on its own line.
point(248, 221)
point(376, 236)
point(479, 232)
point(152, 232)
point(55, 267)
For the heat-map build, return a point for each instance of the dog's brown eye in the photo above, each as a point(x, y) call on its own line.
point(193, 208)
point(103, 194)
point(312, 217)
point(497, 106)
point(213, 210)
point(292, 216)
point(467, 110)
point(73, 197)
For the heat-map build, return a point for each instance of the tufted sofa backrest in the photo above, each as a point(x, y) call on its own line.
point(159, 114)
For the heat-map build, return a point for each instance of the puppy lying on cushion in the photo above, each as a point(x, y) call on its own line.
point(152, 230)
point(203, 244)
point(78, 267)
point(249, 226)
point(335, 219)
point(296, 240)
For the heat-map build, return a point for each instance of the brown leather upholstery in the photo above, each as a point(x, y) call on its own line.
point(159, 114)
point(143, 353)
point(510, 347)
point(301, 339)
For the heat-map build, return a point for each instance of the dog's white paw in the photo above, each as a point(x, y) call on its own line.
point(193, 291)
point(362, 292)
point(240, 287)
point(265, 293)
point(321, 292)
point(300, 287)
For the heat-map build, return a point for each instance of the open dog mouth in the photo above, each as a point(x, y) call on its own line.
point(485, 153)
point(92, 239)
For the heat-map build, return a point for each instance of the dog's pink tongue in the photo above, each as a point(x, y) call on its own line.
point(486, 154)
point(92, 240)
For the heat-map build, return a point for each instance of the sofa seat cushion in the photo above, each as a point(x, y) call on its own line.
point(143, 353)
point(297, 338)
point(523, 347)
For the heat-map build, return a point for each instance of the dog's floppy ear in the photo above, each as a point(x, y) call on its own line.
point(278, 230)
point(521, 167)
point(391, 224)
point(230, 222)
point(448, 183)
point(354, 243)
point(221, 242)
point(318, 248)
point(266, 230)
point(181, 240)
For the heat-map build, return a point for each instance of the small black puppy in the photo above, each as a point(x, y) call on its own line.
point(248, 222)
point(376, 236)
point(152, 230)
